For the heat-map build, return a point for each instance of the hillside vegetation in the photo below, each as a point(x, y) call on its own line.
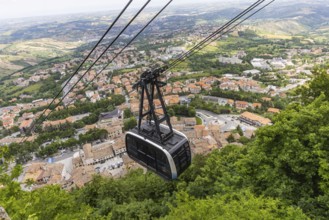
point(282, 174)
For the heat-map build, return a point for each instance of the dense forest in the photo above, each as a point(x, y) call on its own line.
point(282, 174)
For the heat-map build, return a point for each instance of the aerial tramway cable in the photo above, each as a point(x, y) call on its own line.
point(218, 31)
point(174, 63)
point(224, 29)
point(155, 145)
point(40, 119)
point(87, 57)
point(215, 37)
point(129, 23)
point(129, 43)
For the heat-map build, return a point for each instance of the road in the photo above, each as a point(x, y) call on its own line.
point(127, 101)
point(292, 86)
point(65, 155)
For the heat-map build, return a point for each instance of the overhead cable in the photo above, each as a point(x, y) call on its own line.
point(218, 31)
point(130, 42)
point(215, 37)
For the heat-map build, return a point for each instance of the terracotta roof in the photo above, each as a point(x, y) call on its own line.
point(266, 99)
point(241, 103)
point(255, 117)
point(76, 160)
point(119, 144)
point(98, 151)
point(26, 123)
point(190, 121)
point(87, 150)
point(273, 110)
point(257, 105)
point(38, 171)
point(157, 102)
point(214, 127)
point(82, 175)
point(103, 152)
point(90, 127)
point(199, 127)
point(58, 122)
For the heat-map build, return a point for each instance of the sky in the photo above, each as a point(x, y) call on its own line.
point(32, 8)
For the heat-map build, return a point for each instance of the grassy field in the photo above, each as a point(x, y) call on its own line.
point(16, 91)
point(198, 121)
point(276, 36)
point(31, 88)
point(282, 29)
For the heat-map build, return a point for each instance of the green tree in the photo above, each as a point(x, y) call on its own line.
point(127, 113)
point(171, 112)
point(220, 174)
point(289, 160)
point(230, 138)
point(244, 140)
point(241, 205)
point(319, 84)
point(130, 123)
point(239, 130)
point(78, 124)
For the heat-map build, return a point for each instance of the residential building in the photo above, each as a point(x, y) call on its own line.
point(253, 119)
point(26, 125)
point(8, 122)
point(95, 98)
point(56, 123)
point(97, 154)
point(194, 89)
point(256, 105)
point(81, 176)
point(273, 110)
point(261, 64)
point(171, 100)
point(113, 131)
point(43, 173)
point(229, 86)
point(200, 131)
point(77, 162)
point(90, 94)
point(266, 99)
point(119, 146)
point(241, 104)
point(189, 123)
point(230, 60)
point(110, 117)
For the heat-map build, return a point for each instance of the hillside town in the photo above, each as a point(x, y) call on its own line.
point(267, 78)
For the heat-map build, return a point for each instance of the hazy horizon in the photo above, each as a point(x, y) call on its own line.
point(20, 9)
point(13, 9)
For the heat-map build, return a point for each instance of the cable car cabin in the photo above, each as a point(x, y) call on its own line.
point(168, 160)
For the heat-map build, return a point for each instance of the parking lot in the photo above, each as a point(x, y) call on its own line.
point(227, 122)
point(113, 166)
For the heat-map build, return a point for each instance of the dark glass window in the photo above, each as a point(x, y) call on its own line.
point(163, 166)
point(148, 155)
point(182, 158)
point(131, 146)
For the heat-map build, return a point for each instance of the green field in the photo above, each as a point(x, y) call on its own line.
point(198, 121)
point(16, 56)
point(29, 89)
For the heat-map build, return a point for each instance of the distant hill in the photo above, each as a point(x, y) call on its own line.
point(284, 18)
